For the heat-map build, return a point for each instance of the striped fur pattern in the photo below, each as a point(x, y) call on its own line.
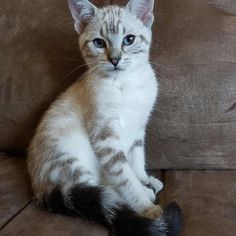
point(87, 156)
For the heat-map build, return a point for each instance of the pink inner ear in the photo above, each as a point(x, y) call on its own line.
point(143, 9)
point(148, 19)
point(81, 11)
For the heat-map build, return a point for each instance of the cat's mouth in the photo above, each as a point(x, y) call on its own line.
point(117, 68)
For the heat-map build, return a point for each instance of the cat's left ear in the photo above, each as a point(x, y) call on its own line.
point(82, 11)
point(143, 9)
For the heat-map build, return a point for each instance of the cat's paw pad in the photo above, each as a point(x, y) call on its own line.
point(154, 212)
point(156, 184)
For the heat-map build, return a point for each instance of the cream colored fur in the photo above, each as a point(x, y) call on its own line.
point(94, 133)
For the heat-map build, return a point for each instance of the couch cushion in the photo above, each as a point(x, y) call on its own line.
point(15, 191)
point(39, 54)
point(18, 215)
point(34, 221)
point(207, 198)
point(194, 55)
point(195, 125)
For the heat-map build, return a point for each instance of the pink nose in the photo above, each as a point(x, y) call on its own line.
point(114, 61)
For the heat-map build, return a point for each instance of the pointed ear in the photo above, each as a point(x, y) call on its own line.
point(81, 11)
point(143, 9)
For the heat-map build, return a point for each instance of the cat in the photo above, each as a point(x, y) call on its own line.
point(87, 156)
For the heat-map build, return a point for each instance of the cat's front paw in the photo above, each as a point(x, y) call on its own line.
point(150, 193)
point(155, 184)
point(153, 212)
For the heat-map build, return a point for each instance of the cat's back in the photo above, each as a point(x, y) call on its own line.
point(63, 117)
point(68, 103)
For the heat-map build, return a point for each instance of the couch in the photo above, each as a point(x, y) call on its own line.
point(191, 138)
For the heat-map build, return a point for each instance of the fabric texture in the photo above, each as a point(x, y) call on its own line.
point(207, 198)
point(194, 47)
point(15, 191)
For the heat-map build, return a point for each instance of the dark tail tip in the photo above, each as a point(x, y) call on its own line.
point(174, 219)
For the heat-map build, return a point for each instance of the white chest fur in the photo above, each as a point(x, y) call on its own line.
point(126, 102)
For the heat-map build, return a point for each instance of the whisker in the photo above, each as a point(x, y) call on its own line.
point(161, 75)
point(94, 75)
point(86, 73)
point(170, 70)
point(78, 67)
point(79, 79)
point(159, 64)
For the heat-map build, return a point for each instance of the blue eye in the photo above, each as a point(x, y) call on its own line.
point(128, 40)
point(100, 43)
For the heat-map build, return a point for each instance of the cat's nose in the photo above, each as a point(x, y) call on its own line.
point(114, 61)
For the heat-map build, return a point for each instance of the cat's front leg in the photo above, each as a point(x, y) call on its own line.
point(136, 159)
point(113, 161)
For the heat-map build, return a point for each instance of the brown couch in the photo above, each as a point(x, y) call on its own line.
point(191, 138)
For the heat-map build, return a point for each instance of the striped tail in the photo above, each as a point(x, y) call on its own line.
point(103, 205)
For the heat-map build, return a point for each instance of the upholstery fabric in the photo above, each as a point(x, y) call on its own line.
point(34, 221)
point(207, 198)
point(193, 52)
point(15, 191)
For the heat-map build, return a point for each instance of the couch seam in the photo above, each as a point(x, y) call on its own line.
point(15, 215)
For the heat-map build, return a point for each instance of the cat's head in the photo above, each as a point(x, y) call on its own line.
point(114, 38)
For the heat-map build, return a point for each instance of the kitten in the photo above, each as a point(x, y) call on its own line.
point(87, 157)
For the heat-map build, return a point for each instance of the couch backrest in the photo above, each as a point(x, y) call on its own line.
point(38, 51)
point(193, 52)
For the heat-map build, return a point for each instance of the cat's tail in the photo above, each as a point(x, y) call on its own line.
point(104, 205)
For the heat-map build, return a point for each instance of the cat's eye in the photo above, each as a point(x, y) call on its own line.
point(99, 43)
point(128, 40)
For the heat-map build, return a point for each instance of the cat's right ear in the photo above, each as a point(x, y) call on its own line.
point(82, 11)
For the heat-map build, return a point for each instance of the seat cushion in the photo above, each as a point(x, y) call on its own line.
point(19, 216)
point(207, 198)
point(34, 221)
point(15, 192)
